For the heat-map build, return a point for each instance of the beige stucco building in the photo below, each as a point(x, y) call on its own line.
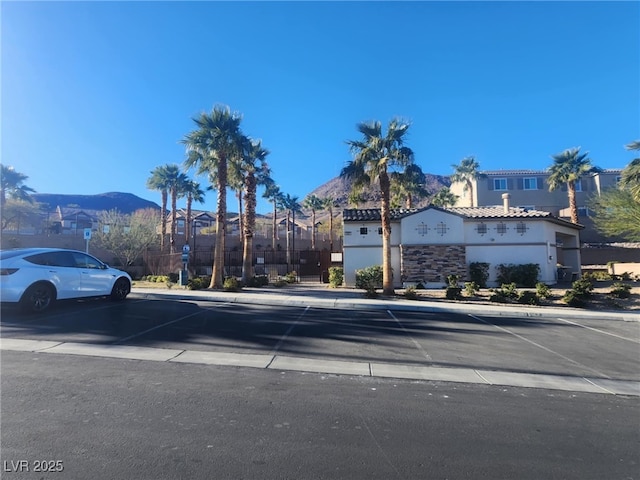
point(429, 244)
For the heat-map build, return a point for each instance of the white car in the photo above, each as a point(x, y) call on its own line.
point(36, 277)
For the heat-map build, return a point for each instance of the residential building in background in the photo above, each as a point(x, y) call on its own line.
point(529, 190)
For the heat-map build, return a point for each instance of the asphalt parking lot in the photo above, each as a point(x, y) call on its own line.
point(301, 337)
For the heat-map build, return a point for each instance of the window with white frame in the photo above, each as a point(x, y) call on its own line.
point(500, 184)
point(578, 185)
point(364, 230)
point(530, 183)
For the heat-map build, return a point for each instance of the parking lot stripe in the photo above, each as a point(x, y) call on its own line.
point(139, 334)
point(540, 346)
point(286, 334)
point(599, 331)
point(418, 346)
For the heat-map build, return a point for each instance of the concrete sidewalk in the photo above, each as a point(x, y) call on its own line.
point(336, 367)
point(320, 296)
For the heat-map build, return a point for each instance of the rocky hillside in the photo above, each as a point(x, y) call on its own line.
point(339, 189)
point(124, 202)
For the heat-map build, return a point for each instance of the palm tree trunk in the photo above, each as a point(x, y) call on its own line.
point(249, 225)
point(164, 220)
point(313, 230)
point(240, 219)
point(573, 206)
point(217, 274)
point(174, 202)
point(187, 232)
point(385, 213)
point(470, 189)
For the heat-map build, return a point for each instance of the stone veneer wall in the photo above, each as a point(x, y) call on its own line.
point(432, 263)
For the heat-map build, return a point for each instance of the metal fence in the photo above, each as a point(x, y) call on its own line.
point(309, 265)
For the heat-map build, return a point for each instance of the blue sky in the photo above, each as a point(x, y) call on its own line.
point(96, 95)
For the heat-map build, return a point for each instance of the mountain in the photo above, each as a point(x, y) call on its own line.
point(124, 202)
point(340, 188)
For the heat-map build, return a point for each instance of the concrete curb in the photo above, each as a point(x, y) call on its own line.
point(335, 367)
point(350, 302)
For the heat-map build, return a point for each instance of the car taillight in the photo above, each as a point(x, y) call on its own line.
point(7, 271)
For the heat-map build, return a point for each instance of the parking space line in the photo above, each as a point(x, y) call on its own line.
point(418, 346)
point(275, 349)
point(599, 331)
point(540, 346)
point(125, 339)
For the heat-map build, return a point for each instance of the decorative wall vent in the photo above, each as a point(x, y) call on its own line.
point(422, 229)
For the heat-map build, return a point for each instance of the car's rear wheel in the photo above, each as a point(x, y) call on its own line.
point(120, 289)
point(38, 297)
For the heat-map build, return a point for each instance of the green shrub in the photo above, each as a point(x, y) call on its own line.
point(420, 286)
point(291, 277)
point(198, 283)
point(506, 293)
point(452, 280)
point(369, 279)
point(231, 284)
point(620, 290)
point(471, 289)
point(453, 293)
point(279, 283)
point(582, 287)
point(498, 296)
point(479, 273)
point(543, 290)
point(525, 275)
point(573, 299)
point(410, 293)
point(173, 277)
point(336, 276)
point(528, 297)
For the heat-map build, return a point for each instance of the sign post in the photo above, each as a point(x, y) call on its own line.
point(87, 237)
point(184, 273)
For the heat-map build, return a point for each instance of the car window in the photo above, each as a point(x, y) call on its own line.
point(53, 259)
point(86, 261)
point(6, 254)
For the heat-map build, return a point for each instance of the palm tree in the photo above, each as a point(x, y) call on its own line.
point(407, 185)
point(236, 183)
point(466, 173)
point(216, 141)
point(444, 198)
point(254, 170)
point(374, 155)
point(12, 185)
point(313, 203)
point(274, 195)
point(159, 180)
point(177, 184)
point(194, 194)
point(631, 173)
point(292, 206)
point(567, 169)
point(328, 203)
